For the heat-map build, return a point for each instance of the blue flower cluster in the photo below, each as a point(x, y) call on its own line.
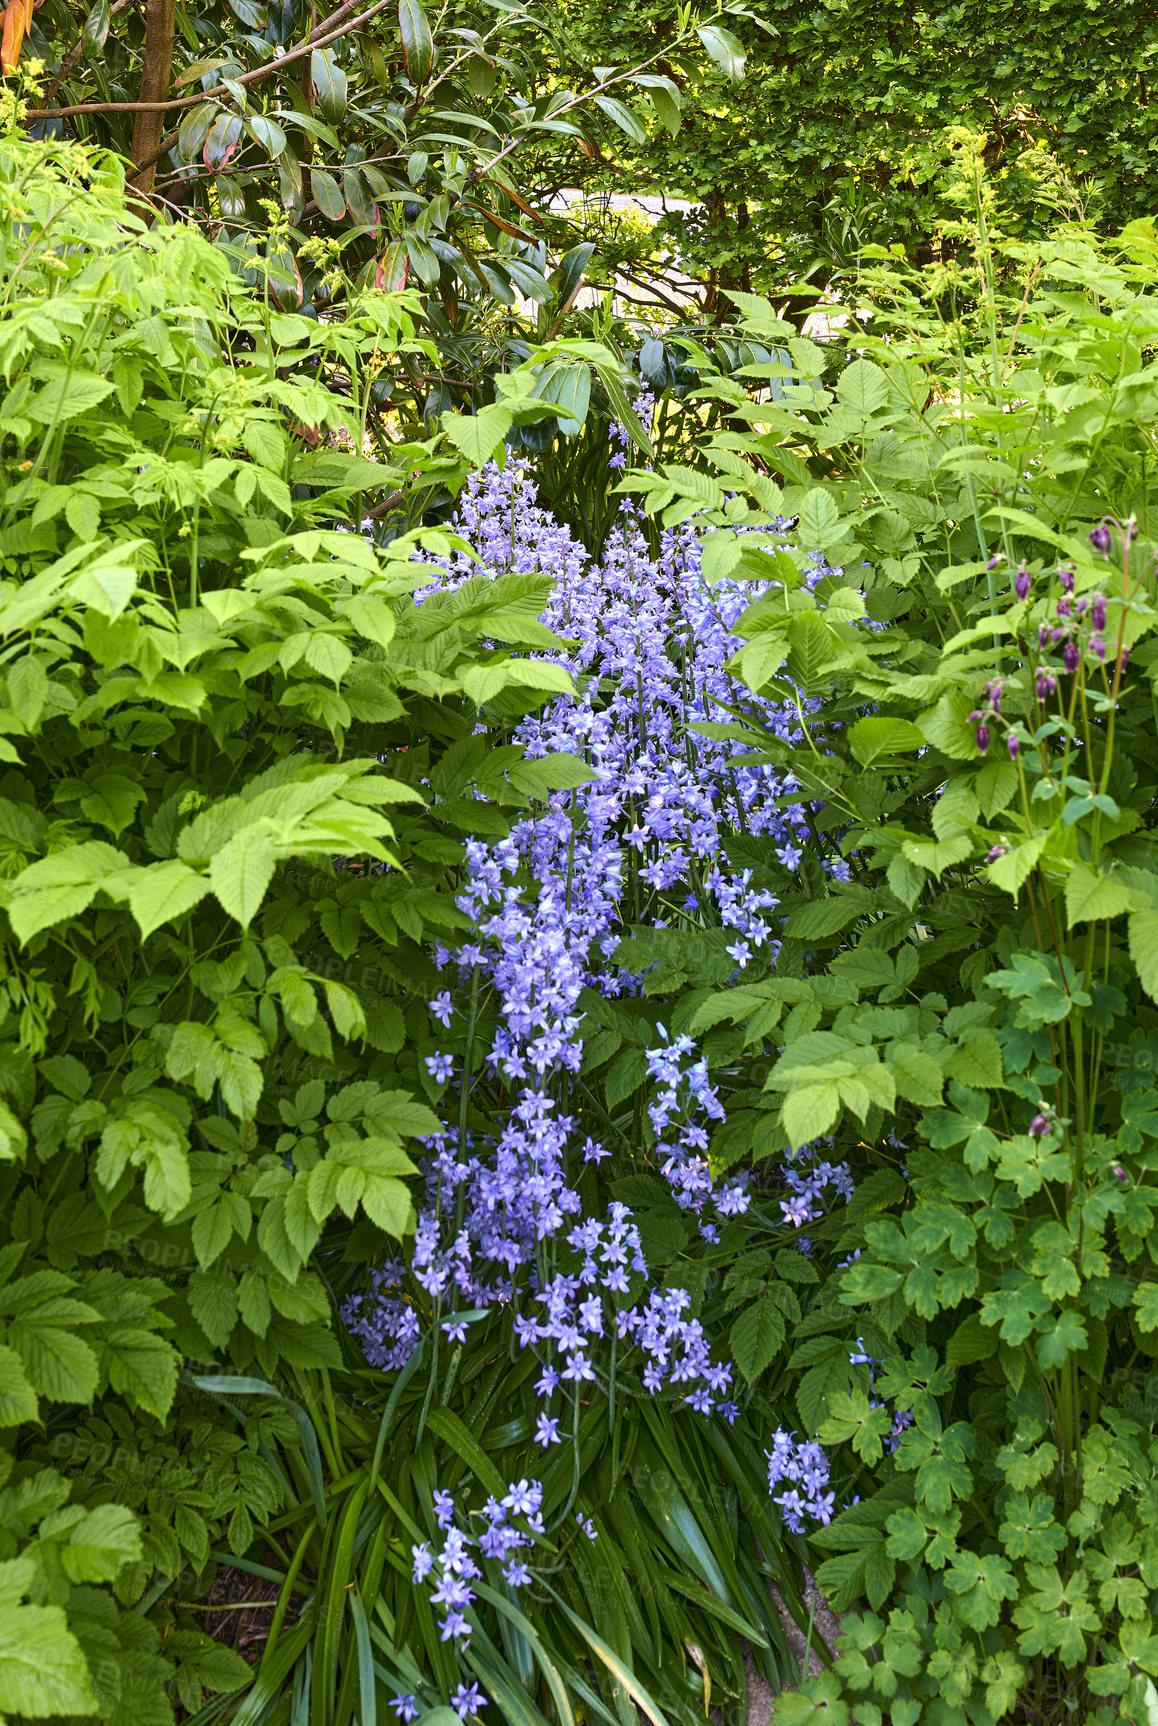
point(647, 642)
point(453, 1568)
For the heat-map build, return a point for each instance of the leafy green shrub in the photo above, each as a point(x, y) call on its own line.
point(221, 714)
point(979, 719)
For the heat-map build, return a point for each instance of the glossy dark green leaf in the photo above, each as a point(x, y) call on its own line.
point(194, 131)
point(326, 195)
point(96, 28)
point(624, 118)
point(222, 142)
point(268, 134)
point(330, 84)
point(361, 205)
point(417, 42)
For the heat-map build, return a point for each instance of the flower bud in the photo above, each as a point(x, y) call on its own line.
point(1119, 1173)
point(1098, 611)
point(1044, 634)
point(994, 561)
point(1064, 608)
point(1071, 655)
point(983, 737)
point(1101, 539)
point(1039, 1126)
point(1066, 576)
point(1013, 744)
point(996, 852)
point(1046, 684)
point(1022, 583)
point(1098, 647)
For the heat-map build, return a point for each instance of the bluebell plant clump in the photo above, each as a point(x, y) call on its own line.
point(646, 640)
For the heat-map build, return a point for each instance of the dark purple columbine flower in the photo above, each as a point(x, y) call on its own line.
point(1101, 539)
point(1044, 634)
point(994, 561)
point(1098, 611)
point(1039, 1126)
point(1066, 576)
point(1013, 744)
point(1064, 608)
point(1023, 581)
point(1071, 655)
point(996, 852)
point(993, 691)
point(1046, 684)
point(983, 737)
point(1098, 647)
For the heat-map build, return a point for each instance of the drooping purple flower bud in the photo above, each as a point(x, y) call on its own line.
point(1098, 647)
point(1131, 531)
point(1119, 1173)
point(975, 716)
point(1046, 684)
point(1098, 611)
point(1064, 608)
point(993, 692)
point(1082, 604)
point(1071, 655)
point(1044, 634)
point(1066, 576)
point(996, 852)
point(1101, 539)
point(1013, 744)
point(994, 561)
point(1039, 1126)
point(983, 737)
point(1022, 583)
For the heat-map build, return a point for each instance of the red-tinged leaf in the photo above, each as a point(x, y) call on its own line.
point(329, 82)
point(12, 36)
point(417, 42)
point(230, 198)
point(194, 131)
point(392, 268)
point(327, 195)
point(221, 145)
point(362, 206)
point(285, 280)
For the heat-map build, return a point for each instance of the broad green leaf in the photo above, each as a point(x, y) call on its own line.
point(18, 1402)
point(61, 886)
point(479, 435)
point(242, 870)
point(724, 49)
point(1011, 870)
point(1143, 935)
point(417, 41)
point(42, 1669)
point(329, 81)
point(819, 525)
point(809, 1112)
point(756, 1336)
point(163, 892)
point(871, 738)
point(1092, 895)
point(863, 387)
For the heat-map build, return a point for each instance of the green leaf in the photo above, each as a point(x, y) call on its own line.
point(756, 1336)
point(819, 523)
point(242, 870)
point(327, 195)
point(163, 892)
point(724, 49)
point(1092, 895)
point(1010, 871)
point(61, 886)
point(479, 435)
point(1143, 934)
point(417, 41)
point(862, 387)
point(42, 1669)
point(18, 1402)
point(1146, 1307)
point(871, 738)
point(329, 81)
point(809, 1112)
point(627, 121)
point(666, 107)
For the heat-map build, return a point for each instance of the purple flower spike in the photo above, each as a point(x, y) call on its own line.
point(1071, 655)
point(1022, 583)
point(1013, 744)
point(983, 738)
point(1101, 539)
point(1098, 611)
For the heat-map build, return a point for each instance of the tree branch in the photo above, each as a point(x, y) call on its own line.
point(257, 76)
point(160, 25)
